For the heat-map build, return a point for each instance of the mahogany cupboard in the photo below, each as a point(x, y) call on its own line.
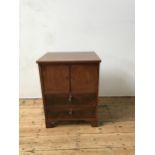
point(69, 84)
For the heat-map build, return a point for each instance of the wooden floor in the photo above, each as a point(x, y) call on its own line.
point(115, 136)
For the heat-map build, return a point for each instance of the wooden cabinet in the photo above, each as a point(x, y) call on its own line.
point(69, 84)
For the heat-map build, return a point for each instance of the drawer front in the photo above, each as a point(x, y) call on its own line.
point(84, 113)
point(71, 114)
point(75, 99)
point(56, 100)
point(60, 115)
point(84, 99)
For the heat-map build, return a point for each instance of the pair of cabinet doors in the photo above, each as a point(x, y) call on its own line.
point(70, 79)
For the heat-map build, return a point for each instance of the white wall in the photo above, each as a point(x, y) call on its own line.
point(105, 26)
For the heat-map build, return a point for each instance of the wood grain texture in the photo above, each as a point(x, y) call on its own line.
point(55, 79)
point(84, 78)
point(115, 136)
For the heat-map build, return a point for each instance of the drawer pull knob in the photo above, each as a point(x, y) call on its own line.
point(70, 98)
point(70, 112)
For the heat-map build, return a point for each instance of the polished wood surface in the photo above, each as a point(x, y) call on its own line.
point(84, 78)
point(115, 136)
point(55, 79)
point(69, 57)
point(69, 86)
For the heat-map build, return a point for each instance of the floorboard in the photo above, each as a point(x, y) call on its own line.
point(114, 136)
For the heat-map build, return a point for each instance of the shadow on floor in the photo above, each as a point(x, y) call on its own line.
point(116, 111)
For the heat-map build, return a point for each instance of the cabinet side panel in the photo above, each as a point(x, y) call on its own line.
point(42, 91)
point(41, 78)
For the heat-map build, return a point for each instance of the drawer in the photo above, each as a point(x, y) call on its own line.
point(84, 113)
point(56, 99)
point(82, 99)
point(59, 115)
point(71, 114)
point(75, 100)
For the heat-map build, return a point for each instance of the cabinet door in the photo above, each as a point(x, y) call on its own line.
point(84, 78)
point(55, 79)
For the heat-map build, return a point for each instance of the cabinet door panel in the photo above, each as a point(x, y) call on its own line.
point(84, 78)
point(56, 79)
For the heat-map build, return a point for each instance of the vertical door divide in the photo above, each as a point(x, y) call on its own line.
point(70, 90)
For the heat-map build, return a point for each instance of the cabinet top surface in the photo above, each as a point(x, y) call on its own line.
point(69, 57)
